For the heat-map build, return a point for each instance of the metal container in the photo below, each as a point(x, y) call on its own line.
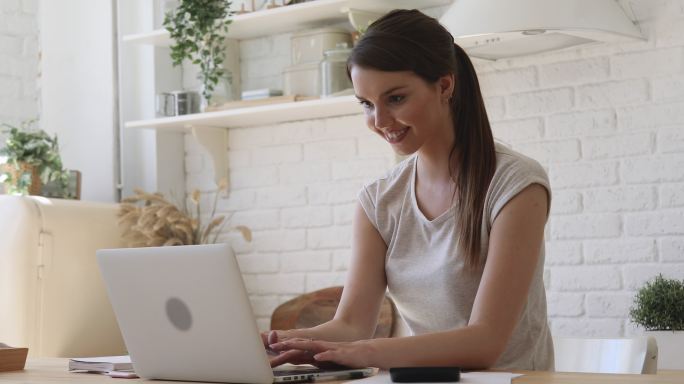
point(177, 103)
point(334, 70)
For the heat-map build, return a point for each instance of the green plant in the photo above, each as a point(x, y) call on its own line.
point(36, 148)
point(198, 28)
point(659, 305)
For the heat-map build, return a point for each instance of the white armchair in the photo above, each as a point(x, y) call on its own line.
point(52, 298)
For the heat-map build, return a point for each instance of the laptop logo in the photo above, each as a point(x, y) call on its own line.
point(178, 313)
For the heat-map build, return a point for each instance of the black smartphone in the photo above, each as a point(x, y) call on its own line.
point(425, 374)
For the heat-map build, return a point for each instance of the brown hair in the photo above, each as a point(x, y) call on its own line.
point(408, 40)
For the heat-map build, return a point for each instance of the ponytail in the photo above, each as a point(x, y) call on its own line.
point(472, 160)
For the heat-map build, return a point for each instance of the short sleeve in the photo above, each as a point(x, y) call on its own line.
point(369, 205)
point(512, 176)
point(383, 199)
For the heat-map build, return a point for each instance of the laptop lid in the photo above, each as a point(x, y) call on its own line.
point(184, 314)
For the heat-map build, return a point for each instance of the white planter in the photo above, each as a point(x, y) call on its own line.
point(670, 349)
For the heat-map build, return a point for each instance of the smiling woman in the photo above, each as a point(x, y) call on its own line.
point(454, 232)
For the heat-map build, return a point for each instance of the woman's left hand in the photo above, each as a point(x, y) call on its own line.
point(355, 354)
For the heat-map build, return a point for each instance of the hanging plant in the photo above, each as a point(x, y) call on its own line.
point(199, 28)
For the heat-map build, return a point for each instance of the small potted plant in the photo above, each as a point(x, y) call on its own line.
point(659, 309)
point(32, 160)
point(198, 29)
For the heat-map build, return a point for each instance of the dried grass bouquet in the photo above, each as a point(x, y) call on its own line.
point(149, 220)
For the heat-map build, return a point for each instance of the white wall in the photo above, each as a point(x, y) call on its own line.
point(605, 120)
point(151, 160)
point(78, 89)
point(19, 60)
point(57, 63)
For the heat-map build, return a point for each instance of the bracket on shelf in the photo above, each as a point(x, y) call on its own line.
point(215, 141)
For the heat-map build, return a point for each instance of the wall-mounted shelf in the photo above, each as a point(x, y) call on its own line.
point(209, 128)
point(293, 17)
point(259, 115)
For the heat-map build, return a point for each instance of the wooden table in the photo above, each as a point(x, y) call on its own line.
point(54, 370)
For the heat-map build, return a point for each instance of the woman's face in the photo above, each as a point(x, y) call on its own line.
point(404, 109)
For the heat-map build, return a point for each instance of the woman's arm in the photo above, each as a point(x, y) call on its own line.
point(514, 247)
point(364, 290)
point(366, 282)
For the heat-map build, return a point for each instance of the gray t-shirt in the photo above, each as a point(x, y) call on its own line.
point(426, 277)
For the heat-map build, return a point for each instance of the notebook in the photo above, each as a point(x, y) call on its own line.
point(101, 364)
point(184, 314)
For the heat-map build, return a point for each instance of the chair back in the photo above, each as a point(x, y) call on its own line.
point(314, 308)
point(628, 355)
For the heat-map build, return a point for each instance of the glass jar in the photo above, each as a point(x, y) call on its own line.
point(334, 70)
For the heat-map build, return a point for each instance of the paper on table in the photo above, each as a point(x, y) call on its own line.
point(101, 364)
point(489, 377)
point(105, 359)
point(123, 374)
point(383, 377)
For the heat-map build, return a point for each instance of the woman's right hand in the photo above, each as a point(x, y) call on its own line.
point(272, 337)
point(292, 356)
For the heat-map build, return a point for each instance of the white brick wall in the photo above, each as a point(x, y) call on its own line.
point(295, 186)
point(19, 62)
point(610, 133)
point(606, 121)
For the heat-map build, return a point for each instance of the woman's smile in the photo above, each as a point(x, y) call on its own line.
point(395, 136)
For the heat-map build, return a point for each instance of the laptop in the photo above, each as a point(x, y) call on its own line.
point(185, 315)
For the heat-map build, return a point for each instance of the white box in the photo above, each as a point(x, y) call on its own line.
point(302, 79)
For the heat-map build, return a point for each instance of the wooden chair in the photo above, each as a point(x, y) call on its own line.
point(314, 308)
point(633, 355)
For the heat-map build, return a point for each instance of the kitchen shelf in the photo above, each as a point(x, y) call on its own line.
point(209, 128)
point(258, 115)
point(292, 17)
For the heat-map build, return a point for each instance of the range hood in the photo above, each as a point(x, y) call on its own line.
point(497, 29)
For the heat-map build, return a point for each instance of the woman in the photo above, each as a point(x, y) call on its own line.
point(455, 232)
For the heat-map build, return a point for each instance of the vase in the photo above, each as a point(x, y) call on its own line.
point(670, 349)
point(223, 92)
point(15, 173)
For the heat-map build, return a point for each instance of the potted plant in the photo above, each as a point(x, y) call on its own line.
point(198, 29)
point(150, 220)
point(659, 309)
point(32, 160)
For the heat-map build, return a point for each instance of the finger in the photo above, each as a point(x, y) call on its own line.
point(303, 344)
point(331, 359)
point(285, 357)
point(293, 356)
point(328, 355)
point(272, 337)
point(282, 344)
